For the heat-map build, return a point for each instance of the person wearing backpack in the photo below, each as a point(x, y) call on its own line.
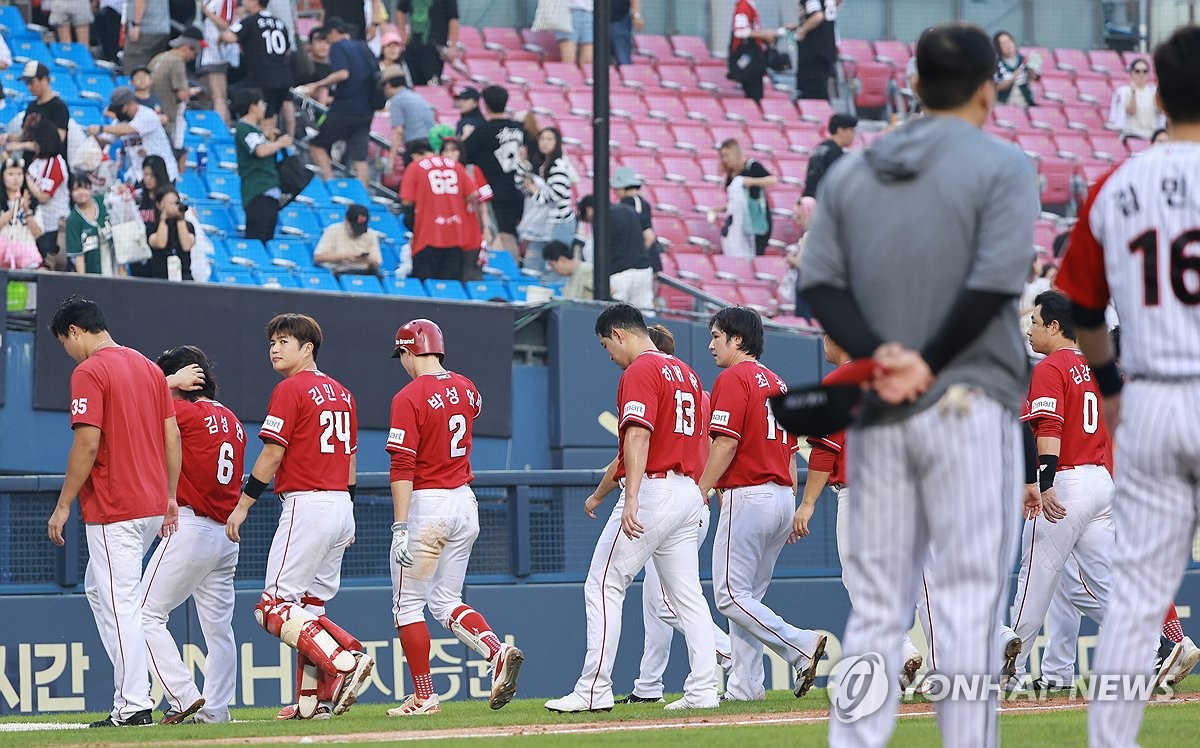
point(755, 179)
point(354, 79)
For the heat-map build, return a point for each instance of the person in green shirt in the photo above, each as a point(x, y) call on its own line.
point(88, 230)
point(256, 157)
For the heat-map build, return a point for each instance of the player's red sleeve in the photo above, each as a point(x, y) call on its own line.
point(832, 443)
point(1047, 401)
point(404, 436)
point(637, 396)
point(166, 403)
point(281, 416)
point(729, 399)
point(481, 184)
point(1081, 275)
point(822, 458)
point(87, 399)
point(469, 187)
point(408, 184)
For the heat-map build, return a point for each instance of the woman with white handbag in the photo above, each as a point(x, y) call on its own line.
point(18, 230)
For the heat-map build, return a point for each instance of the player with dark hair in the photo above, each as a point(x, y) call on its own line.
point(753, 461)
point(1135, 231)
point(659, 400)
point(310, 445)
point(937, 450)
point(198, 560)
point(495, 147)
point(124, 467)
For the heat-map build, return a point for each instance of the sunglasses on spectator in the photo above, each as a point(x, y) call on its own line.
point(1141, 71)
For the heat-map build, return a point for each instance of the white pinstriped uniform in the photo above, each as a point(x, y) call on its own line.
point(1131, 223)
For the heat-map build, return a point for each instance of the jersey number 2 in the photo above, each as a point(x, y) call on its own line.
point(458, 431)
point(337, 428)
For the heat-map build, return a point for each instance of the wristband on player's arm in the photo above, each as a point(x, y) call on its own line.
point(1031, 455)
point(1108, 378)
point(350, 490)
point(1047, 467)
point(254, 487)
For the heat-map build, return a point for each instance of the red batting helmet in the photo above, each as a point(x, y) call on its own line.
point(419, 337)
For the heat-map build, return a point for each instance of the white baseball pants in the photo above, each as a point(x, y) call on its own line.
point(753, 525)
point(1062, 624)
point(315, 527)
point(1158, 446)
point(442, 528)
point(948, 477)
point(197, 561)
point(669, 508)
point(113, 583)
point(661, 622)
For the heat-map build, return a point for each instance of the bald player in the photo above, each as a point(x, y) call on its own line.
point(1134, 245)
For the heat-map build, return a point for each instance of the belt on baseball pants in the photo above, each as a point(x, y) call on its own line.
point(656, 475)
point(837, 486)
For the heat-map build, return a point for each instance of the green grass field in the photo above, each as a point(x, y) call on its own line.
point(781, 721)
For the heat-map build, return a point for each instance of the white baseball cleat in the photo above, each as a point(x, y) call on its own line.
point(908, 673)
point(1187, 661)
point(292, 711)
point(363, 665)
point(1169, 654)
point(808, 675)
point(571, 703)
point(686, 703)
point(504, 675)
point(412, 707)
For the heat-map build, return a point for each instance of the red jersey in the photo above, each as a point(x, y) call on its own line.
point(122, 393)
point(313, 417)
point(739, 411)
point(1064, 403)
point(214, 452)
point(745, 20)
point(474, 234)
point(430, 435)
point(439, 188)
point(663, 394)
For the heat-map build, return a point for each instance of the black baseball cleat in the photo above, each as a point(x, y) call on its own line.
point(144, 717)
point(1051, 689)
point(633, 698)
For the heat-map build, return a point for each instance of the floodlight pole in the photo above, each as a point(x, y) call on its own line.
point(601, 57)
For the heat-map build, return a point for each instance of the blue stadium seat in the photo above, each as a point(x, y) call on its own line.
point(72, 54)
point(297, 251)
point(487, 290)
point(502, 264)
point(214, 216)
point(390, 255)
point(317, 279)
point(235, 276)
point(361, 284)
point(445, 289)
point(238, 214)
point(11, 19)
point(65, 87)
point(329, 215)
point(391, 230)
point(315, 193)
point(248, 250)
point(87, 114)
point(204, 119)
point(224, 156)
point(225, 186)
point(27, 48)
point(347, 191)
point(97, 86)
point(519, 290)
point(299, 220)
point(191, 185)
point(277, 278)
point(410, 287)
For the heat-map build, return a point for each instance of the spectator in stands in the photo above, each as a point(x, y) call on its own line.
point(431, 39)
point(391, 51)
point(581, 37)
point(72, 15)
point(755, 180)
point(630, 278)
point(217, 56)
point(466, 101)
point(46, 179)
point(628, 186)
point(143, 92)
point(495, 146)
point(803, 213)
point(816, 48)
point(626, 19)
point(257, 154)
point(1014, 72)
point(747, 49)
point(351, 13)
point(46, 104)
point(154, 182)
point(171, 240)
point(317, 67)
point(350, 246)
point(479, 232)
point(108, 28)
point(87, 226)
point(266, 50)
point(140, 131)
point(548, 178)
point(17, 223)
point(441, 219)
point(409, 114)
point(1135, 110)
point(285, 10)
point(579, 274)
point(6, 59)
point(147, 30)
point(171, 84)
point(350, 113)
point(1160, 136)
point(841, 135)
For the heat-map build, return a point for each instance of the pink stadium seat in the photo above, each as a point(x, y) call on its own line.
point(724, 290)
point(742, 110)
point(577, 131)
point(1044, 231)
point(1049, 118)
point(1037, 144)
point(579, 101)
point(1059, 89)
point(780, 110)
point(793, 169)
point(656, 135)
point(675, 198)
point(501, 37)
point(666, 106)
point(733, 268)
point(1108, 61)
point(711, 78)
point(524, 72)
point(691, 47)
point(675, 299)
point(629, 102)
point(1009, 114)
point(565, 74)
point(803, 139)
point(771, 267)
point(897, 52)
point(1108, 143)
point(646, 167)
point(1072, 59)
point(1048, 61)
point(682, 169)
point(723, 131)
point(518, 100)
point(695, 267)
point(677, 77)
point(1082, 116)
point(1056, 173)
point(704, 106)
point(857, 50)
point(1094, 90)
point(815, 110)
point(653, 45)
point(1073, 144)
point(708, 196)
point(767, 138)
point(1091, 170)
point(764, 299)
point(468, 36)
point(548, 97)
point(703, 233)
point(873, 78)
point(522, 55)
point(696, 136)
point(669, 265)
point(672, 229)
point(487, 71)
point(641, 77)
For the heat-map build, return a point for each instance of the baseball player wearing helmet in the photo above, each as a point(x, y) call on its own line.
point(310, 441)
point(752, 460)
point(436, 517)
point(198, 560)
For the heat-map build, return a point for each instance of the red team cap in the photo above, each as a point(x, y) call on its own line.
point(419, 337)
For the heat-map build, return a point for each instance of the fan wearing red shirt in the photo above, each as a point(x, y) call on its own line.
point(124, 467)
point(310, 437)
point(1073, 475)
point(198, 560)
point(659, 399)
point(439, 197)
point(752, 460)
point(433, 504)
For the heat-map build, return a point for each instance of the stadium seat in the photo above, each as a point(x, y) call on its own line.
point(1074, 60)
point(1108, 144)
point(73, 56)
point(1084, 117)
point(291, 252)
point(1106, 61)
point(299, 220)
point(725, 290)
point(317, 279)
point(733, 268)
point(1073, 144)
point(87, 114)
point(27, 48)
point(677, 77)
point(708, 196)
point(238, 277)
point(410, 287)
point(315, 193)
point(694, 268)
point(191, 185)
point(893, 51)
point(1056, 174)
point(683, 169)
point(640, 77)
point(487, 290)
point(565, 74)
point(693, 48)
point(96, 86)
point(1094, 90)
point(361, 284)
point(770, 267)
point(225, 186)
point(763, 298)
point(347, 191)
point(500, 38)
point(247, 252)
point(502, 264)
point(214, 217)
point(445, 289)
point(654, 46)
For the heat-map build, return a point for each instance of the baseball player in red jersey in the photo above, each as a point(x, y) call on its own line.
point(310, 437)
point(436, 511)
point(1134, 244)
point(659, 399)
point(752, 460)
point(198, 560)
point(439, 196)
point(124, 467)
point(1073, 477)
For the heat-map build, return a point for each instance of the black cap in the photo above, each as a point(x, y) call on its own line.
point(334, 23)
point(359, 218)
point(467, 94)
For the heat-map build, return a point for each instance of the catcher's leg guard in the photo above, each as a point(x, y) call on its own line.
point(307, 682)
point(303, 631)
point(340, 635)
point(472, 630)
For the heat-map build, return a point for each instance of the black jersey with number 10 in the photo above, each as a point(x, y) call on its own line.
point(266, 50)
